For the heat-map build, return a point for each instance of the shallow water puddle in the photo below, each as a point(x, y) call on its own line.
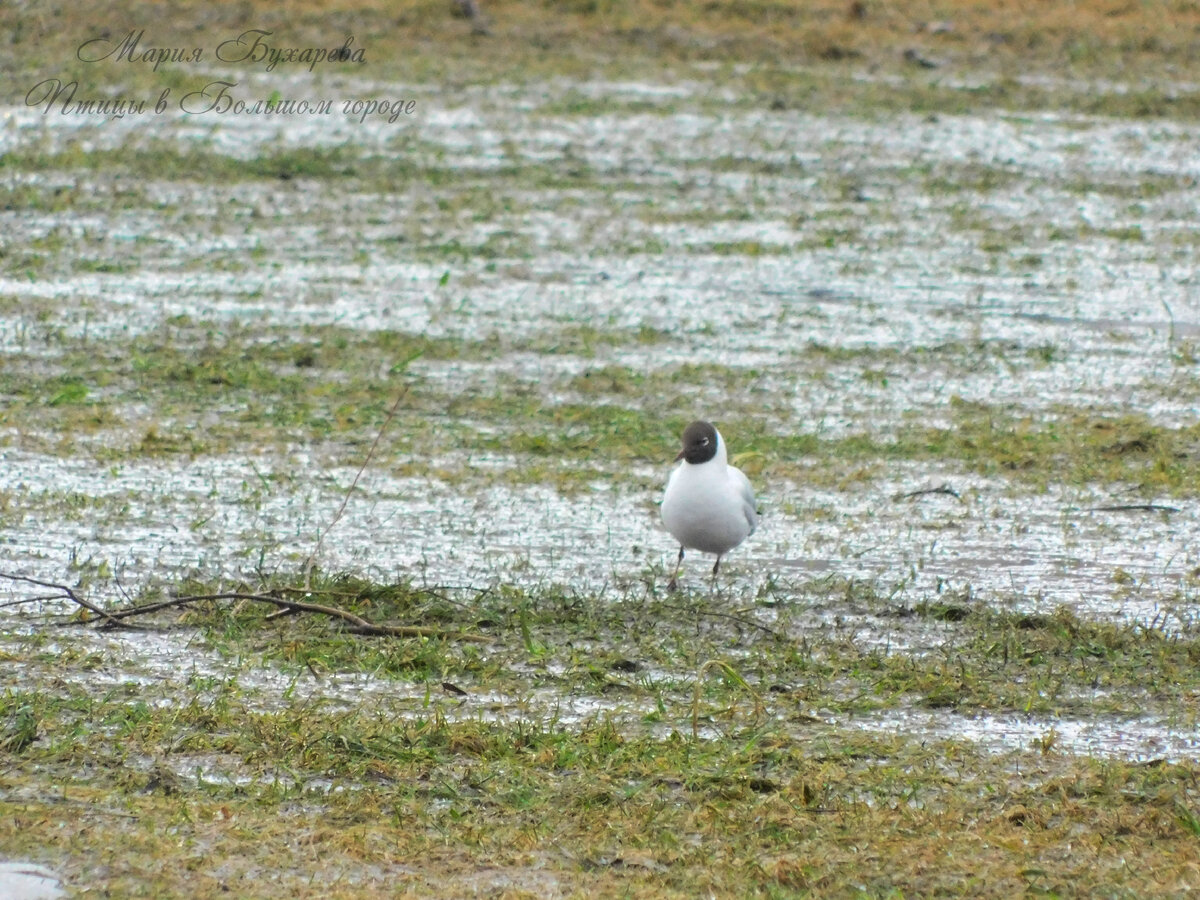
point(1049, 269)
point(1140, 740)
point(1024, 551)
point(26, 881)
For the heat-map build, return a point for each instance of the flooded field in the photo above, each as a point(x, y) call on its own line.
point(956, 354)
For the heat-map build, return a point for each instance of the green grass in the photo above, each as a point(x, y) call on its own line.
point(199, 782)
point(621, 741)
point(333, 385)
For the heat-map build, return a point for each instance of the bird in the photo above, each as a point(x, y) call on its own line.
point(709, 504)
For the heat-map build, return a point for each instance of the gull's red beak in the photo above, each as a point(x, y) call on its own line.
point(680, 456)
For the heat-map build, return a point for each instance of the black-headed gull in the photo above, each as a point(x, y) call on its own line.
point(709, 504)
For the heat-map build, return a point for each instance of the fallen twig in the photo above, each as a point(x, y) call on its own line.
point(66, 592)
point(940, 489)
point(357, 624)
point(712, 614)
point(29, 600)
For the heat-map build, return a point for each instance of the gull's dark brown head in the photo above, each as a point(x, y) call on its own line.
point(699, 443)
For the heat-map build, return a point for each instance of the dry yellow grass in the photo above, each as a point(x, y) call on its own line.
point(1114, 39)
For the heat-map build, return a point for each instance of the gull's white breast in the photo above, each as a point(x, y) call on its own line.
point(709, 507)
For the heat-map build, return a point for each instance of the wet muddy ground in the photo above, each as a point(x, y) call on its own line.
point(957, 354)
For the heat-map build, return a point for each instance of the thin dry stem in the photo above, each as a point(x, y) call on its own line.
point(357, 623)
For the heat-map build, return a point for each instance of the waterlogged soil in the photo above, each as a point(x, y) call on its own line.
point(956, 353)
point(546, 248)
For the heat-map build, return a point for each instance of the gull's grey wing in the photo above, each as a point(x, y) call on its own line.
point(747, 493)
